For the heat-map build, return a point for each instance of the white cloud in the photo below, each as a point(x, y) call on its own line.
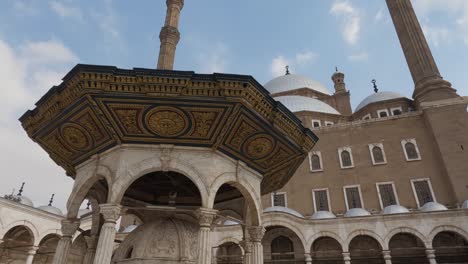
point(108, 20)
point(351, 20)
point(363, 56)
point(455, 10)
point(24, 7)
point(27, 72)
point(215, 59)
point(306, 57)
point(65, 10)
point(278, 66)
point(380, 15)
point(301, 59)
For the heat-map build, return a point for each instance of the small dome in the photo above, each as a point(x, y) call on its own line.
point(283, 210)
point(297, 103)
point(378, 97)
point(465, 204)
point(395, 209)
point(82, 212)
point(323, 215)
point(51, 209)
point(356, 212)
point(23, 200)
point(290, 82)
point(129, 228)
point(230, 223)
point(433, 206)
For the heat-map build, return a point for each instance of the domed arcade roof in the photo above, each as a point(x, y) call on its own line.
point(378, 97)
point(433, 206)
point(323, 215)
point(23, 200)
point(395, 209)
point(51, 209)
point(283, 209)
point(297, 103)
point(290, 82)
point(356, 212)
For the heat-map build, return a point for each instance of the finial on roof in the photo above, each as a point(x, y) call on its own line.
point(87, 205)
point(376, 89)
point(51, 199)
point(336, 69)
point(287, 70)
point(21, 189)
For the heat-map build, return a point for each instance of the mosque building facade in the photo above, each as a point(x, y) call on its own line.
point(180, 167)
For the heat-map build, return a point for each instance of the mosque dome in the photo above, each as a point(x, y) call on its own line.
point(22, 200)
point(129, 228)
point(323, 215)
point(283, 210)
point(395, 209)
point(230, 223)
point(356, 212)
point(378, 97)
point(465, 204)
point(50, 209)
point(290, 82)
point(297, 103)
point(433, 206)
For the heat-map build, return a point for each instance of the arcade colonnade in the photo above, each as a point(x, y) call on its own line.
point(433, 237)
point(105, 178)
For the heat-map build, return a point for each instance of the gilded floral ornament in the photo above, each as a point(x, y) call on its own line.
point(166, 121)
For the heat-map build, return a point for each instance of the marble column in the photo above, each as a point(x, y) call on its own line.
point(31, 253)
point(429, 84)
point(91, 243)
point(347, 257)
point(387, 257)
point(430, 253)
point(247, 246)
point(308, 258)
point(256, 235)
point(110, 212)
point(205, 217)
point(69, 228)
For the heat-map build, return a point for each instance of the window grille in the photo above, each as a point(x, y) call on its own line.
point(346, 159)
point(411, 151)
point(315, 160)
point(423, 192)
point(279, 199)
point(387, 194)
point(377, 153)
point(321, 200)
point(353, 197)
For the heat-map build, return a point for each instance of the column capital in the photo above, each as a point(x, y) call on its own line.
point(308, 257)
point(346, 256)
point(32, 250)
point(256, 233)
point(110, 212)
point(246, 245)
point(69, 227)
point(386, 254)
point(206, 216)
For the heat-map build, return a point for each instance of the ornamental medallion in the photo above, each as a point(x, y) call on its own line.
point(166, 121)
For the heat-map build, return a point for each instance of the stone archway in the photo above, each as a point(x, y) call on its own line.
point(46, 250)
point(17, 241)
point(326, 250)
point(450, 247)
point(282, 245)
point(407, 248)
point(228, 253)
point(365, 249)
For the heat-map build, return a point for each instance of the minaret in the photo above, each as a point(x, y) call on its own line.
point(341, 98)
point(338, 80)
point(429, 84)
point(170, 35)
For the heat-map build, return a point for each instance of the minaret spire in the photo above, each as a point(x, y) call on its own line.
point(51, 201)
point(429, 84)
point(170, 35)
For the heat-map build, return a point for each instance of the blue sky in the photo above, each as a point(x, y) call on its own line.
point(40, 40)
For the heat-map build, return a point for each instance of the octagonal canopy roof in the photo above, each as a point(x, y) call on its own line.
point(290, 82)
point(100, 107)
point(297, 103)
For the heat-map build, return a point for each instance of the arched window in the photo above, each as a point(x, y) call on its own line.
point(282, 248)
point(346, 159)
point(411, 151)
point(377, 153)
